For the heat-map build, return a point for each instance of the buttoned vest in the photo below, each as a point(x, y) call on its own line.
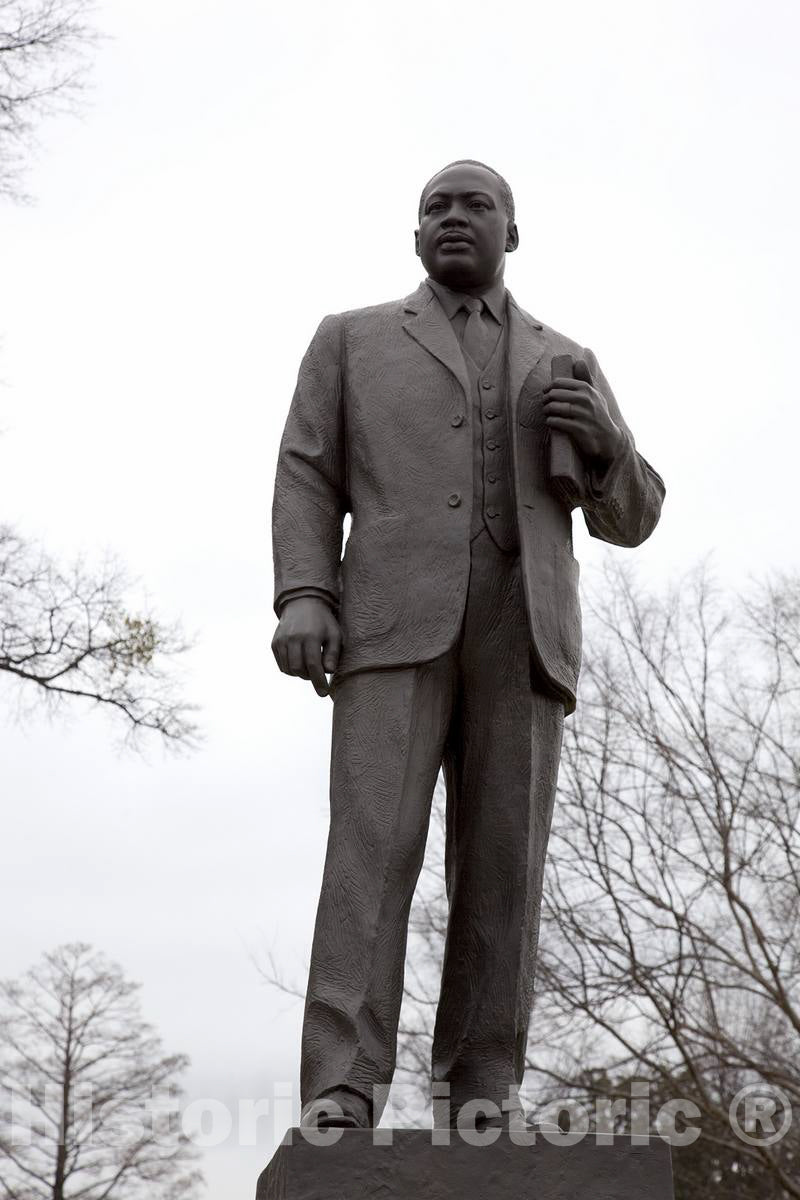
point(492, 493)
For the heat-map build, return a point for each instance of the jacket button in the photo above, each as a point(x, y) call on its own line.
point(457, 420)
point(490, 413)
point(454, 499)
point(493, 512)
point(492, 477)
point(487, 385)
point(491, 444)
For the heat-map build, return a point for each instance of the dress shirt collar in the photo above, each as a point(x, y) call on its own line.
point(494, 298)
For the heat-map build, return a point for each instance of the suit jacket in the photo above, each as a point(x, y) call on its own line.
point(380, 426)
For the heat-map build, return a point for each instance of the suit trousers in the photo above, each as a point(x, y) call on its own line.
point(476, 712)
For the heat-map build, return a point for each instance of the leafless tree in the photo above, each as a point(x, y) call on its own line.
point(672, 924)
point(67, 634)
point(81, 1071)
point(44, 56)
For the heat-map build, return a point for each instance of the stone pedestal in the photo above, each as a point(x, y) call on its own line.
point(411, 1164)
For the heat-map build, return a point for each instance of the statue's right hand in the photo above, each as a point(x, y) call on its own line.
point(308, 641)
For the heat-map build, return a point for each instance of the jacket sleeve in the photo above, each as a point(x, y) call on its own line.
point(623, 502)
point(310, 498)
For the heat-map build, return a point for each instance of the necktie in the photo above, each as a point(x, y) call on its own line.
point(477, 341)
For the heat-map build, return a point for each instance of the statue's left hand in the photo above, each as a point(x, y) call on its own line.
point(579, 409)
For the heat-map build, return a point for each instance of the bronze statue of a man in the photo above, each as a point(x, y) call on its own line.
point(451, 628)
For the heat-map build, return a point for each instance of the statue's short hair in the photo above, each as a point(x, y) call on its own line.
point(505, 190)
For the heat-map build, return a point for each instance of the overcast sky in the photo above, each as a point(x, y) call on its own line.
point(242, 169)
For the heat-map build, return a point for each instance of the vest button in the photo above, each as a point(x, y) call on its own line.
point(454, 499)
point(493, 512)
point(490, 413)
point(492, 477)
point(457, 420)
point(487, 385)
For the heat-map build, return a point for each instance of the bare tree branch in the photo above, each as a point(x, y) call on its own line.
point(45, 50)
point(69, 635)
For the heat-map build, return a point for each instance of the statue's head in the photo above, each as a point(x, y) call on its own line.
point(466, 225)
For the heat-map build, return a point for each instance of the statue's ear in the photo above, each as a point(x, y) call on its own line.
point(416, 242)
point(512, 237)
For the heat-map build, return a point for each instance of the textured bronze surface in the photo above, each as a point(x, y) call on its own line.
point(412, 1168)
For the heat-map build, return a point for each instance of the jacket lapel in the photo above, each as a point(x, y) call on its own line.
point(428, 325)
point(526, 345)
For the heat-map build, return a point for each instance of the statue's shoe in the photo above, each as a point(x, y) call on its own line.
point(339, 1109)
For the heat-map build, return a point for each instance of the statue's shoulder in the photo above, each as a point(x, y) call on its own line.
point(557, 342)
point(375, 324)
point(341, 327)
point(372, 315)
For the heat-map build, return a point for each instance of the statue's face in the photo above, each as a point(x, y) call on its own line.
point(464, 232)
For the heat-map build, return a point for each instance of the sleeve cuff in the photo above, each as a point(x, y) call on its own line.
point(297, 593)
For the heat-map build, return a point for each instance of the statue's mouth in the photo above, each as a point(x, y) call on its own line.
point(455, 239)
